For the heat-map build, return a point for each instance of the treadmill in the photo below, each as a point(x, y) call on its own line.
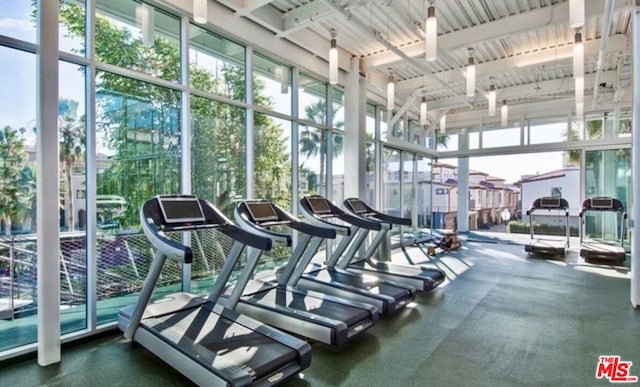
point(206, 342)
point(387, 297)
point(600, 249)
point(421, 277)
point(316, 316)
point(548, 246)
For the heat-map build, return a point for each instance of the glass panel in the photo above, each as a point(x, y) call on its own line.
point(382, 112)
point(312, 100)
point(371, 121)
point(218, 171)
point(497, 180)
point(608, 174)
point(337, 147)
point(312, 149)
point(391, 200)
point(72, 26)
point(423, 193)
point(216, 65)
point(73, 212)
point(272, 159)
point(18, 291)
point(337, 106)
point(447, 142)
point(546, 133)
point(370, 168)
point(271, 84)
point(500, 138)
point(408, 193)
point(16, 20)
point(138, 37)
point(474, 140)
point(139, 143)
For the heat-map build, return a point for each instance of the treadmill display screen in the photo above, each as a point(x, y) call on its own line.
point(319, 206)
point(550, 202)
point(262, 211)
point(357, 206)
point(601, 203)
point(181, 209)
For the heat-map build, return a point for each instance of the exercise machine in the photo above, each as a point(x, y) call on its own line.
point(387, 297)
point(207, 342)
point(316, 316)
point(548, 246)
point(600, 249)
point(421, 277)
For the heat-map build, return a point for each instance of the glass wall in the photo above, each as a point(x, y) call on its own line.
point(17, 193)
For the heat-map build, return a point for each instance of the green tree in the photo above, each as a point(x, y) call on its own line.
point(72, 147)
point(140, 123)
point(16, 184)
point(313, 141)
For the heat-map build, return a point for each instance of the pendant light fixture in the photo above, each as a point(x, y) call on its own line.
point(423, 111)
point(492, 100)
point(471, 75)
point(333, 59)
point(391, 91)
point(431, 34)
point(578, 56)
point(504, 113)
point(200, 11)
point(576, 13)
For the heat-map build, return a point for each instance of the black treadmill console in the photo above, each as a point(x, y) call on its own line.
point(601, 203)
point(550, 202)
point(180, 209)
point(318, 205)
point(261, 212)
point(357, 206)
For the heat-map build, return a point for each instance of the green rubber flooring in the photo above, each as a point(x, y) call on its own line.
point(501, 319)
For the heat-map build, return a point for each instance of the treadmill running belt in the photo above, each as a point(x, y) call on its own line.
point(368, 283)
point(219, 342)
point(299, 301)
point(435, 275)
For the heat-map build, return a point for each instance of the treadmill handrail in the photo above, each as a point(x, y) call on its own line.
point(397, 220)
point(284, 218)
point(338, 213)
point(173, 250)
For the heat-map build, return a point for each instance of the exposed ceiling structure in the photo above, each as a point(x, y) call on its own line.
point(523, 47)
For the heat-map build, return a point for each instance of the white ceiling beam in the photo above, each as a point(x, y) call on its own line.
point(245, 7)
point(501, 66)
point(515, 24)
point(546, 88)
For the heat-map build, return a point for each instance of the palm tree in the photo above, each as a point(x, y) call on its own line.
point(13, 159)
point(72, 145)
point(314, 142)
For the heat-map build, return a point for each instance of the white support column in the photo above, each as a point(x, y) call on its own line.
point(185, 129)
point(47, 146)
point(635, 165)
point(463, 184)
point(91, 168)
point(354, 133)
point(295, 138)
point(249, 138)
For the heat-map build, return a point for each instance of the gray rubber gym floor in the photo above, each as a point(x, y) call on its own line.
point(502, 319)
